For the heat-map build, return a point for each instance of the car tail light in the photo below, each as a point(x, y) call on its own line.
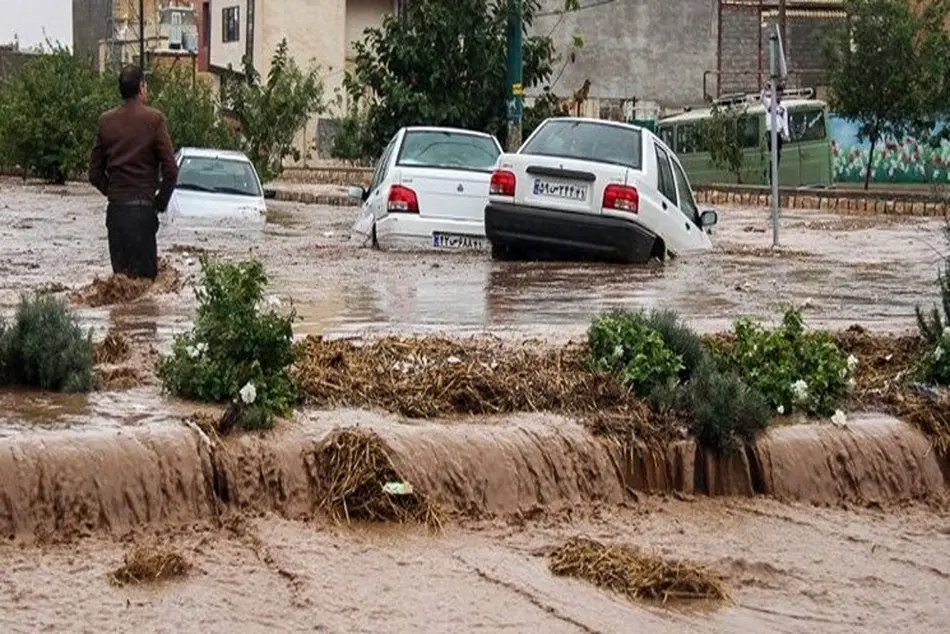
point(402, 200)
point(502, 183)
point(622, 198)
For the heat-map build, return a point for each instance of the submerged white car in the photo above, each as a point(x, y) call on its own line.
point(429, 190)
point(215, 185)
point(591, 189)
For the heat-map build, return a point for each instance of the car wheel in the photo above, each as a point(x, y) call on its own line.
point(373, 241)
point(503, 253)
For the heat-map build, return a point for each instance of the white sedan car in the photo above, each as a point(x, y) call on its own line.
point(429, 190)
point(591, 189)
point(215, 185)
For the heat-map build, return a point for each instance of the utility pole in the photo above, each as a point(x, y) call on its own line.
point(515, 93)
point(782, 22)
point(142, 35)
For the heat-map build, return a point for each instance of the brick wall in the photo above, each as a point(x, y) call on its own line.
point(739, 50)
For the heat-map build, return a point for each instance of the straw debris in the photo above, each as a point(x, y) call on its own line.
point(634, 574)
point(433, 377)
point(119, 289)
point(355, 467)
point(150, 563)
point(115, 348)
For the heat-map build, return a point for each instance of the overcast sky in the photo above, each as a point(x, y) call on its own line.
point(28, 18)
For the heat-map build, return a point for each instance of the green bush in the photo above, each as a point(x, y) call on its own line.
point(45, 347)
point(722, 409)
point(625, 344)
point(239, 348)
point(934, 328)
point(191, 109)
point(679, 338)
point(795, 370)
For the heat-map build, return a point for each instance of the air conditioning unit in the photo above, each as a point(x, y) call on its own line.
point(190, 42)
point(174, 36)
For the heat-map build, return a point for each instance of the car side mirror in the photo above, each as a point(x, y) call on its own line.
point(708, 218)
point(357, 193)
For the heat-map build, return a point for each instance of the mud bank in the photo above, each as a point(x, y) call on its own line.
point(70, 484)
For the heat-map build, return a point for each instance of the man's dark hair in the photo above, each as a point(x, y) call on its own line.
point(130, 80)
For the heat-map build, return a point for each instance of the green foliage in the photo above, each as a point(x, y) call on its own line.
point(191, 109)
point(795, 370)
point(49, 112)
point(236, 341)
point(934, 328)
point(45, 347)
point(888, 67)
point(723, 409)
point(407, 72)
point(625, 344)
point(271, 113)
point(680, 338)
point(721, 135)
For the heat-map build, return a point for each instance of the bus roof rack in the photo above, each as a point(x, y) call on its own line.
point(733, 99)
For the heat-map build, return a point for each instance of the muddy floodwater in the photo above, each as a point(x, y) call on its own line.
point(791, 567)
point(841, 269)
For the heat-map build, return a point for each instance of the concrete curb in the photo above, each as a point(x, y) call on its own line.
point(859, 203)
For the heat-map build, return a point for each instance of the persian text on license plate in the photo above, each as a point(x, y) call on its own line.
point(570, 191)
point(457, 241)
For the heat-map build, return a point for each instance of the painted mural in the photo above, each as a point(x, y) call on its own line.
point(906, 161)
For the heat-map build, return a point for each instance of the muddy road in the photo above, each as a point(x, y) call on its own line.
point(842, 269)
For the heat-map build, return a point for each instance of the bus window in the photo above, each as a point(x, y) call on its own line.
point(748, 132)
point(807, 125)
point(686, 141)
point(666, 135)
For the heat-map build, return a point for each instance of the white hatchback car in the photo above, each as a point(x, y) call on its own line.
point(592, 189)
point(215, 185)
point(429, 190)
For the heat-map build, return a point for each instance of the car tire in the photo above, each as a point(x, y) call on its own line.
point(373, 241)
point(503, 253)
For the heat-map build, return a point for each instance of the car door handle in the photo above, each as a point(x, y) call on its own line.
point(687, 226)
point(664, 204)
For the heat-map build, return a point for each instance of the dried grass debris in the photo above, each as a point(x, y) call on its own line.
point(120, 289)
point(115, 348)
point(148, 563)
point(355, 467)
point(431, 377)
point(635, 574)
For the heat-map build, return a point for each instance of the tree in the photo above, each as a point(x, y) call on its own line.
point(408, 72)
point(271, 114)
point(879, 63)
point(721, 135)
point(49, 112)
point(191, 109)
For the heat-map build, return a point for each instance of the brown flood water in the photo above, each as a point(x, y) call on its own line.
point(102, 465)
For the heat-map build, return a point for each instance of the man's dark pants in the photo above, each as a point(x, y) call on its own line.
point(132, 230)
point(768, 138)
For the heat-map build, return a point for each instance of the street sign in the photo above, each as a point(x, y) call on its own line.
point(517, 90)
point(514, 108)
point(778, 68)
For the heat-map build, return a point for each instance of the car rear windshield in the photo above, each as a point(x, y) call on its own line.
point(218, 175)
point(588, 141)
point(449, 150)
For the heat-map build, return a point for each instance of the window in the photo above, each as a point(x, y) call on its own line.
point(687, 141)
point(450, 150)
point(218, 175)
point(687, 205)
point(664, 175)
point(381, 166)
point(667, 135)
point(806, 125)
point(588, 141)
point(230, 24)
point(748, 132)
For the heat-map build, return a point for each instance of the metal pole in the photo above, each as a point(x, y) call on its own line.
point(773, 120)
point(515, 97)
point(782, 22)
point(142, 35)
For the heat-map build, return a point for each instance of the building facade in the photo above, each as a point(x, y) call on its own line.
point(318, 34)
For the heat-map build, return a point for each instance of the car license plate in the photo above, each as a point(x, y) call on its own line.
point(569, 191)
point(457, 241)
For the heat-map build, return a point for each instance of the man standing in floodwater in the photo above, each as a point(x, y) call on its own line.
point(131, 160)
point(781, 121)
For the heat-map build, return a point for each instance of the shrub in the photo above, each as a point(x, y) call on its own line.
point(625, 344)
point(934, 328)
point(722, 409)
point(191, 109)
point(239, 347)
point(45, 347)
point(795, 370)
point(679, 338)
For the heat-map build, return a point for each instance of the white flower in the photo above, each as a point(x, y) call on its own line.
point(271, 302)
point(800, 390)
point(946, 331)
point(453, 360)
point(938, 353)
point(192, 352)
point(248, 393)
point(780, 409)
point(839, 419)
point(852, 363)
point(851, 384)
point(618, 351)
point(202, 347)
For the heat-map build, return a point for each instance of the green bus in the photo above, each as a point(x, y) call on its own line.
point(806, 156)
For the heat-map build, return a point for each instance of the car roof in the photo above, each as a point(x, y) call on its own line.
point(754, 108)
point(433, 128)
point(213, 153)
point(616, 124)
